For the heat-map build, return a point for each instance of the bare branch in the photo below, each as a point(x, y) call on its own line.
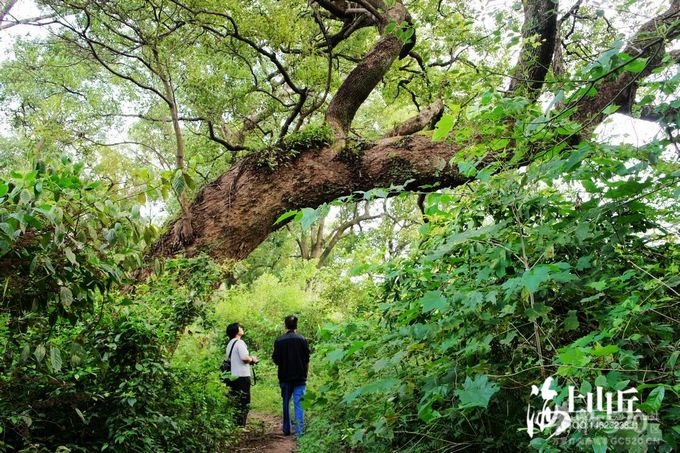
point(425, 118)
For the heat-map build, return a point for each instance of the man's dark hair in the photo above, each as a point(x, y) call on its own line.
point(291, 322)
point(232, 330)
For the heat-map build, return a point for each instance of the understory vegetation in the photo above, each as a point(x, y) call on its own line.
point(510, 281)
point(472, 207)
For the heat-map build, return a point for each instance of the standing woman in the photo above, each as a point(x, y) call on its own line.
point(237, 352)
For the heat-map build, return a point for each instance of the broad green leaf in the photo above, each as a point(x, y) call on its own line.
point(598, 286)
point(285, 216)
point(653, 402)
point(8, 230)
point(576, 157)
point(477, 392)
point(571, 321)
point(586, 387)
point(335, 356)
point(309, 216)
point(626, 189)
point(66, 296)
point(433, 300)
point(178, 182)
point(40, 352)
point(444, 127)
point(599, 445)
point(25, 197)
point(601, 351)
point(188, 181)
point(537, 311)
point(611, 108)
point(379, 386)
point(573, 356)
point(55, 358)
point(533, 278)
point(636, 66)
point(467, 168)
point(70, 255)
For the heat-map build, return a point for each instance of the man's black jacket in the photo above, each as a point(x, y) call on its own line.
point(291, 354)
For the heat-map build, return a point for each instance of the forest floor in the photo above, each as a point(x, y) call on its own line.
point(264, 435)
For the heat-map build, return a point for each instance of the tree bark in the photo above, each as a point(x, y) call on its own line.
point(235, 213)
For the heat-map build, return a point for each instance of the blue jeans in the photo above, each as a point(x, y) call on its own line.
point(289, 390)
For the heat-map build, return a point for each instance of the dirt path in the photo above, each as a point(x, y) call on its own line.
point(265, 436)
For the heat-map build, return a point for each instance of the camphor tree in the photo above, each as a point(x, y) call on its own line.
point(310, 99)
point(281, 105)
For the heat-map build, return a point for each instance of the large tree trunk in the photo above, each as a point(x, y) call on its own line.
point(235, 213)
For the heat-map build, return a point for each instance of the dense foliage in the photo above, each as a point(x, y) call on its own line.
point(512, 281)
point(85, 364)
point(513, 241)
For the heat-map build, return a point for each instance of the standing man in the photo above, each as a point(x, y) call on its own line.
point(291, 355)
point(237, 352)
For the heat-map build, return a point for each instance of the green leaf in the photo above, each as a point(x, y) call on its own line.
point(444, 127)
point(70, 256)
point(467, 168)
point(178, 182)
point(379, 386)
point(309, 216)
point(533, 278)
point(586, 387)
point(626, 189)
point(601, 381)
point(285, 216)
point(599, 445)
point(25, 197)
point(571, 321)
point(8, 230)
point(537, 311)
point(66, 296)
point(433, 300)
point(611, 108)
point(598, 286)
point(653, 402)
point(582, 231)
point(590, 186)
point(636, 66)
point(188, 181)
point(477, 392)
point(55, 359)
point(573, 356)
point(601, 351)
point(40, 352)
point(4, 188)
point(335, 356)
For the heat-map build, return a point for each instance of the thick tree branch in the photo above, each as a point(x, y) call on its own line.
point(363, 79)
point(539, 36)
point(235, 213)
point(427, 117)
